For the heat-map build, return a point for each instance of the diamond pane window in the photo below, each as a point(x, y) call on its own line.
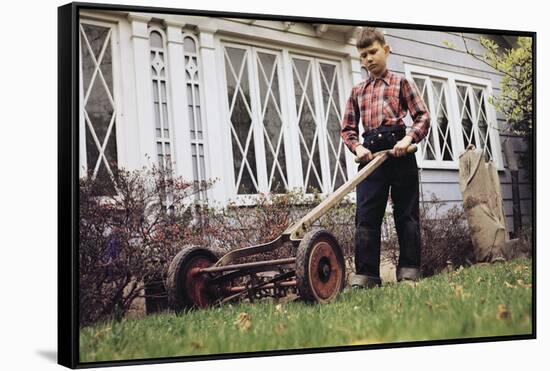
point(332, 117)
point(271, 119)
point(476, 127)
point(160, 99)
point(319, 112)
point(193, 86)
point(438, 145)
point(270, 124)
point(442, 118)
point(466, 115)
point(240, 120)
point(482, 121)
point(308, 124)
point(460, 116)
point(427, 147)
point(256, 119)
point(98, 106)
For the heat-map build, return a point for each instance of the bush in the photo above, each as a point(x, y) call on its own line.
point(128, 237)
point(233, 227)
point(268, 217)
point(445, 237)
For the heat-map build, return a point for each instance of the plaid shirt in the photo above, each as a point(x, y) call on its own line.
point(377, 102)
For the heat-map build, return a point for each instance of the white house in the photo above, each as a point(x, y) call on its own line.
point(258, 103)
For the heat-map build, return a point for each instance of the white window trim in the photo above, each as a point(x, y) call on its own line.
point(119, 124)
point(321, 133)
point(124, 80)
point(187, 139)
point(257, 135)
point(285, 52)
point(341, 107)
point(169, 99)
point(439, 163)
point(453, 108)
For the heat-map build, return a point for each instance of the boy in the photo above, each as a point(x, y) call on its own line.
point(381, 102)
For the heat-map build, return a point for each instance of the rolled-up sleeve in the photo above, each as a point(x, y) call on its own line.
point(418, 110)
point(350, 123)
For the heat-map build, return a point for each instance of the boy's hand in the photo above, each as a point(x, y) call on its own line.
point(400, 148)
point(363, 154)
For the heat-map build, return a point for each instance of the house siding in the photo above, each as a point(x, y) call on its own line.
point(428, 49)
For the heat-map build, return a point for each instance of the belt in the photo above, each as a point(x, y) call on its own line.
point(385, 129)
point(383, 137)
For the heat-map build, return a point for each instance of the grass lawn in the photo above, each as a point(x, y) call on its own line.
point(483, 300)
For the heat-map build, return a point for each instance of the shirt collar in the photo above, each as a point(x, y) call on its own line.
point(385, 77)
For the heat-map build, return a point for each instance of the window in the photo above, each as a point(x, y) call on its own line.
point(193, 88)
point(473, 117)
point(255, 119)
point(438, 145)
point(98, 108)
point(160, 101)
point(460, 116)
point(265, 158)
point(318, 108)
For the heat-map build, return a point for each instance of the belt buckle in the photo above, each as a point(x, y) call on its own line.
point(379, 132)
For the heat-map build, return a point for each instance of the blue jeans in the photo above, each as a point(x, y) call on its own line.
point(398, 176)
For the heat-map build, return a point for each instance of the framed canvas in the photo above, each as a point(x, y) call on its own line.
point(211, 205)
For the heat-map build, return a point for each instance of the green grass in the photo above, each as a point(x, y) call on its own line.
point(484, 300)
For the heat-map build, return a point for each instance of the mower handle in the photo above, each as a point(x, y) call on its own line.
point(412, 148)
point(297, 230)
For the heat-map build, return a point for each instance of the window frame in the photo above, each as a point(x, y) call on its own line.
point(203, 174)
point(290, 136)
point(327, 175)
point(438, 162)
point(451, 79)
point(171, 139)
point(257, 138)
point(117, 94)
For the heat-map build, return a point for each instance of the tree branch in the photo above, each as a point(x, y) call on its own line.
point(476, 56)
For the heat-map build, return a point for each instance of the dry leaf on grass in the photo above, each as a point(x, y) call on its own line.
point(280, 309)
point(287, 299)
point(280, 328)
point(502, 312)
point(459, 291)
point(196, 345)
point(458, 271)
point(100, 334)
point(243, 321)
point(509, 285)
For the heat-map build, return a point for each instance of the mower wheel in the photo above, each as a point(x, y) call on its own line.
point(320, 267)
point(186, 287)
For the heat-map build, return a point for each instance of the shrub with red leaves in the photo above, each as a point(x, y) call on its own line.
point(127, 238)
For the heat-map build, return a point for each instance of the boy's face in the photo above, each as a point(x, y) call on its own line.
point(374, 57)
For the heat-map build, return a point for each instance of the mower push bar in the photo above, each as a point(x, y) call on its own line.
point(296, 231)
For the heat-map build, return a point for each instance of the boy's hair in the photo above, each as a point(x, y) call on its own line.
point(368, 36)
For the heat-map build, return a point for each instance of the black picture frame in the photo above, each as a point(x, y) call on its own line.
point(68, 182)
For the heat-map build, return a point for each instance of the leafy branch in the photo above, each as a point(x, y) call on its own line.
point(515, 65)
